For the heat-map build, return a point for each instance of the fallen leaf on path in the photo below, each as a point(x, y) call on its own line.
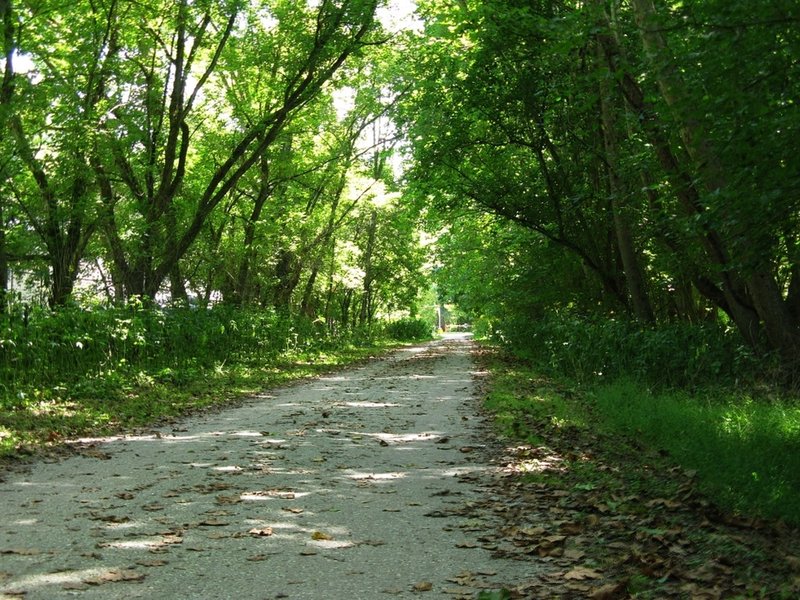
point(423, 586)
point(293, 510)
point(115, 575)
point(261, 532)
point(213, 523)
point(257, 557)
point(319, 536)
point(581, 573)
point(110, 518)
point(221, 499)
point(91, 453)
point(77, 586)
point(281, 494)
point(152, 562)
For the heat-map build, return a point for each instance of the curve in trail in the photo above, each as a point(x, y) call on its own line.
point(347, 486)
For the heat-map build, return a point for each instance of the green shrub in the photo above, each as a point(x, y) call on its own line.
point(408, 329)
point(71, 345)
point(681, 355)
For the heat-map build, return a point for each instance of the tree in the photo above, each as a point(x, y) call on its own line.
point(151, 215)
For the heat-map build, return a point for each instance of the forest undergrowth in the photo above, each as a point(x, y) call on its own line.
point(657, 494)
point(693, 393)
point(76, 372)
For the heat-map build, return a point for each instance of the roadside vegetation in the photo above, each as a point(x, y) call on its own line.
point(76, 372)
point(653, 492)
point(691, 393)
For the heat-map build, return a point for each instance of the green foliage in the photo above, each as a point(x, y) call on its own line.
point(746, 452)
point(594, 350)
point(408, 329)
point(76, 372)
point(72, 344)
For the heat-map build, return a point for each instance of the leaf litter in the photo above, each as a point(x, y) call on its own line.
point(607, 523)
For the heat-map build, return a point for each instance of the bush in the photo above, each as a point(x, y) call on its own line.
point(680, 355)
point(47, 348)
point(408, 329)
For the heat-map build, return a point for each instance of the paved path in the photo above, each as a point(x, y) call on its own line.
point(347, 486)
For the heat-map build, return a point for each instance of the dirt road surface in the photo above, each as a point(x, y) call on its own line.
point(346, 486)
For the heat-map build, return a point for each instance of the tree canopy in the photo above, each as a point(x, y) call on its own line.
point(604, 157)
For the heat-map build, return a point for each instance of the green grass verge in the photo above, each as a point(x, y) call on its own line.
point(116, 401)
point(746, 451)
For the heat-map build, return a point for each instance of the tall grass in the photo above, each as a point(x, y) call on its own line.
point(50, 348)
point(76, 371)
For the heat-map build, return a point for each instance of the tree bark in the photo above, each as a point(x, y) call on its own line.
point(747, 293)
point(634, 274)
point(365, 312)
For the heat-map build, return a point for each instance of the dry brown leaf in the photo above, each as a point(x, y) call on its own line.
point(609, 591)
point(581, 573)
point(214, 523)
point(115, 575)
point(74, 586)
point(319, 536)
point(221, 499)
point(152, 562)
point(423, 586)
point(21, 551)
point(257, 557)
point(261, 532)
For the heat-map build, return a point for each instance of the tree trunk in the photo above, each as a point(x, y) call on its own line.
point(3, 261)
point(755, 292)
point(307, 304)
point(634, 275)
point(365, 313)
point(737, 301)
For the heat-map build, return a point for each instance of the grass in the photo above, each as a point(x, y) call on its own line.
point(623, 467)
point(746, 451)
point(113, 401)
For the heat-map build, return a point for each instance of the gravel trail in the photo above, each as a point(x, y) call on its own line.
point(346, 486)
